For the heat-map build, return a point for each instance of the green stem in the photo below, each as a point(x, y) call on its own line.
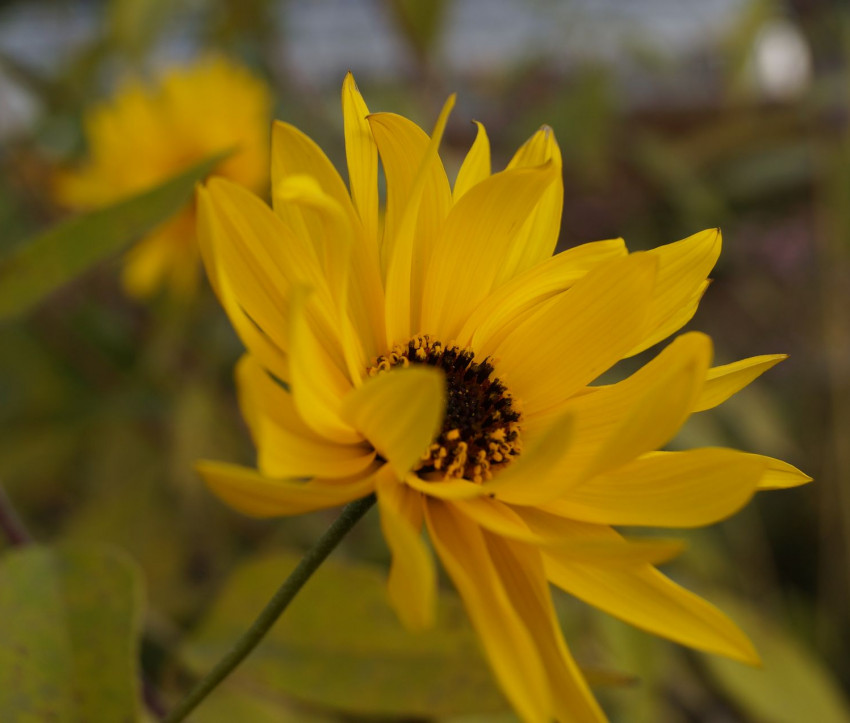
point(273, 609)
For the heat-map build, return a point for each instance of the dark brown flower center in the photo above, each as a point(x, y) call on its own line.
point(480, 431)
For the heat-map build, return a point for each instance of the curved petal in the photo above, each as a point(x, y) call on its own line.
point(477, 239)
point(540, 528)
point(253, 494)
point(418, 211)
point(413, 576)
point(615, 424)
point(576, 336)
point(722, 382)
point(503, 634)
point(539, 234)
point(476, 166)
point(667, 489)
point(503, 310)
point(286, 446)
point(645, 598)
point(362, 157)
point(240, 240)
point(354, 313)
point(318, 386)
point(663, 408)
point(296, 154)
point(682, 270)
point(399, 412)
point(521, 571)
point(270, 353)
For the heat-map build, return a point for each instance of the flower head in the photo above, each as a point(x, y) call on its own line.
point(147, 133)
point(446, 361)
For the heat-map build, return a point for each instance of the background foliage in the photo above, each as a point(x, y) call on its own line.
point(671, 117)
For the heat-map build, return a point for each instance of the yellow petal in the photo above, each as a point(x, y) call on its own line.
point(413, 577)
point(502, 310)
point(362, 156)
point(295, 154)
point(531, 525)
point(317, 384)
point(578, 335)
point(503, 634)
point(608, 424)
point(403, 147)
point(723, 381)
point(521, 570)
point(478, 237)
point(645, 598)
point(667, 489)
point(286, 446)
point(353, 315)
point(245, 238)
point(532, 478)
point(682, 271)
point(264, 260)
point(253, 494)
point(665, 404)
point(271, 353)
point(399, 412)
point(449, 489)
point(476, 166)
point(416, 206)
point(780, 475)
point(539, 234)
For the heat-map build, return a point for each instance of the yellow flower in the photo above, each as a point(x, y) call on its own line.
point(146, 134)
point(445, 361)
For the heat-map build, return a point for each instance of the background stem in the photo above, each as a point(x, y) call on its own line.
point(10, 522)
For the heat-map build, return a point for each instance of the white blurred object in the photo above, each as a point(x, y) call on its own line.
point(18, 109)
point(781, 61)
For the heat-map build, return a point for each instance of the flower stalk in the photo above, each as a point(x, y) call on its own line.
point(249, 640)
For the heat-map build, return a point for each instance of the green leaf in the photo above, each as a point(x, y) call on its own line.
point(69, 636)
point(38, 267)
point(792, 686)
point(339, 646)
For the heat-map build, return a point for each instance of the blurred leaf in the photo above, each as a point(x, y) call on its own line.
point(340, 646)
point(41, 265)
point(70, 625)
point(792, 686)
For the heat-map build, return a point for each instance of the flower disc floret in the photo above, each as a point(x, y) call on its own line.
point(480, 433)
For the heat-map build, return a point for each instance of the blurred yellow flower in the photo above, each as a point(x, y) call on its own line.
point(148, 133)
point(444, 359)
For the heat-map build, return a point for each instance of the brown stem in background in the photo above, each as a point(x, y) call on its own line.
point(10, 522)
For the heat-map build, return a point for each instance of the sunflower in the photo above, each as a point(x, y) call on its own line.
point(444, 359)
point(147, 133)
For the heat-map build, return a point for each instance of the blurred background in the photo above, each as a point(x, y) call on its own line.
point(672, 117)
